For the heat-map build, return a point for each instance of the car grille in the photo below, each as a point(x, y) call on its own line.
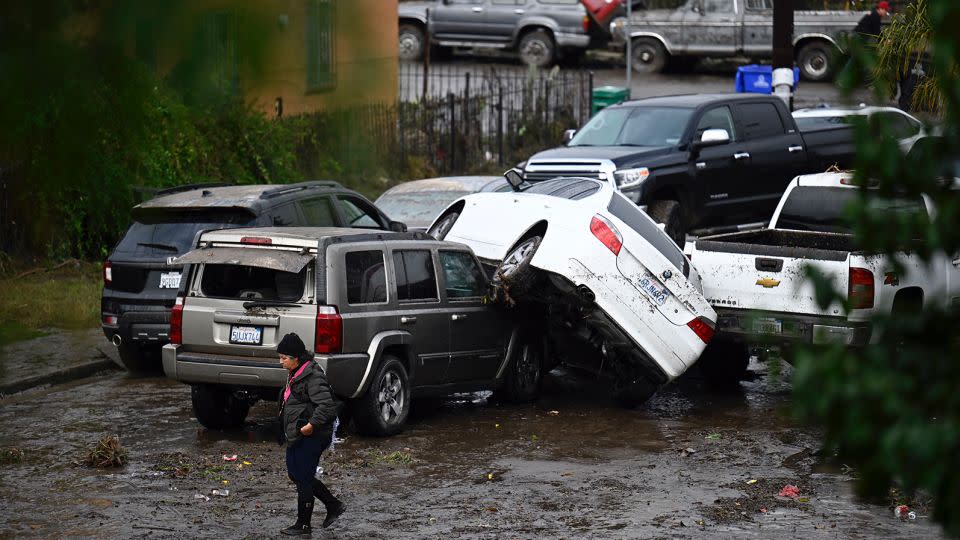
point(537, 171)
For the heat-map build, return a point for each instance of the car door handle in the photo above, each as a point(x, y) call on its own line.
point(741, 155)
point(519, 11)
point(458, 317)
point(408, 320)
point(797, 148)
point(478, 10)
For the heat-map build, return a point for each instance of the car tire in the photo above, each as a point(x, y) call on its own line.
point(815, 60)
point(724, 362)
point(525, 370)
point(537, 49)
point(442, 227)
point(384, 408)
point(412, 42)
point(648, 56)
point(514, 274)
point(218, 408)
point(139, 360)
point(632, 394)
point(668, 213)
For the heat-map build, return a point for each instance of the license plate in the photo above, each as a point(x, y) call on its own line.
point(170, 280)
point(246, 335)
point(767, 326)
point(653, 289)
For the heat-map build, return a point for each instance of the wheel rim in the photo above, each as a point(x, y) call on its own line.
point(527, 369)
point(535, 52)
point(390, 397)
point(409, 46)
point(517, 257)
point(644, 57)
point(815, 64)
point(439, 232)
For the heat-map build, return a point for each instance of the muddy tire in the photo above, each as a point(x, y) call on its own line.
point(217, 408)
point(441, 228)
point(724, 362)
point(648, 56)
point(139, 360)
point(668, 213)
point(632, 394)
point(384, 408)
point(815, 60)
point(514, 274)
point(525, 370)
point(412, 42)
point(537, 49)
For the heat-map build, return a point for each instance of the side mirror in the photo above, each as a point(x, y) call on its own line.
point(568, 136)
point(397, 226)
point(712, 137)
point(514, 178)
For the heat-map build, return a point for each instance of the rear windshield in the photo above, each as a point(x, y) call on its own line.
point(165, 235)
point(823, 209)
point(634, 126)
point(566, 188)
point(252, 283)
point(814, 123)
point(418, 208)
point(640, 222)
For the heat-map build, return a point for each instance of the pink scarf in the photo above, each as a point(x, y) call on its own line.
point(286, 392)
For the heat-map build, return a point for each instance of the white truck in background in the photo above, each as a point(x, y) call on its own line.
point(757, 281)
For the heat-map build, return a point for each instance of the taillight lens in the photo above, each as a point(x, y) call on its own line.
point(860, 288)
point(586, 23)
point(329, 335)
point(703, 328)
point(176, 322)
point(606, 233)
point(107, 273)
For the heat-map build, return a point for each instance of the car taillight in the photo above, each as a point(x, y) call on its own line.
point(703, 328)
point(110, 320)
point(860, 288)
point(107, 273)
point(329, 335)
point(606, 233)
point(586, 23)
point(176, 322)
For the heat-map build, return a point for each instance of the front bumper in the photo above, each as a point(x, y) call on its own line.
point(764, 327)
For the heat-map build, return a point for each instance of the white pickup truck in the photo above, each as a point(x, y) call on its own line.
point(756, 280)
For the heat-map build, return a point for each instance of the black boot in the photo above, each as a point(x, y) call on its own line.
point(334, 511)
point(304, 513)
point(335, 508)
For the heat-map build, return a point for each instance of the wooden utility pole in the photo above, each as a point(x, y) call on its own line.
point(783, 50)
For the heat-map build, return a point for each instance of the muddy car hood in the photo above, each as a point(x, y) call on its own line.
point(616, 154)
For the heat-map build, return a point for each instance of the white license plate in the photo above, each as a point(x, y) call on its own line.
point(652, 288)
point(246, 335)
point(766, 325)
point(170, 280)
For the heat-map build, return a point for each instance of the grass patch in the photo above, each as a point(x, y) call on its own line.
point(65, 297)
point(12, 455)
point(397, 458)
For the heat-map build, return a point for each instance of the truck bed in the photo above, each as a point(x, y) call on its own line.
point(781, 243)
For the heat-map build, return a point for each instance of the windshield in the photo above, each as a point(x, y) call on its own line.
point(565, 188)
point(252, 283)
point(634, 126)
point(417, 208)
point(813, 123)
point(824, 209)
point(171, 234)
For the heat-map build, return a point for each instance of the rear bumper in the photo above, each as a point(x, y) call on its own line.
point(745, 325)
point(142, 325)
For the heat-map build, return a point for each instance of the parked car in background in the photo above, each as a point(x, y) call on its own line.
point(140, 279)
point(724, 28)
point(621, 298)
point(389, 316)
point(904, 127)
point(418, 202)
point(756, 280)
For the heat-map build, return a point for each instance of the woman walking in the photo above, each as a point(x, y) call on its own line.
point(307, 411)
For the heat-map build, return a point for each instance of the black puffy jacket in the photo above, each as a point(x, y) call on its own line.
point(311, 400)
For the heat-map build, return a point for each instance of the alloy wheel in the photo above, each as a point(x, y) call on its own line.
point(390, 397)
point(517, 257)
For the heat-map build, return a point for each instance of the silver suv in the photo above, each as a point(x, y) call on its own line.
point(388, 316)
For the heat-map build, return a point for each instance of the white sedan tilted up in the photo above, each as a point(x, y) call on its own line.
point(620, 296)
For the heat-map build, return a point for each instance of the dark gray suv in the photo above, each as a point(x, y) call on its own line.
point(388, 315)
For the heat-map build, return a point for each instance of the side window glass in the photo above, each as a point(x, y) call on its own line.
point(285, 215)
point(759, 4)
point(318, 212)
point(718, 6)
point(366, 277)
point(760, 120)
point(359, 214)
point(416, 279)
point(463, 275)
point(716, 118)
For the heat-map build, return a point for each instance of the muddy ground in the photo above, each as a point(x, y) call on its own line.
point(694, 462)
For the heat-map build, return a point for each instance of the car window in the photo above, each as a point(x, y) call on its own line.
point(811, 123)
point(759, 4)
point(634, 126)
point(167, 234)
point(824, 209)
point(251, 283)
point(285, 215)
point(760, 120)
point(899, 125)
point(716, 118)
point(416, 279)
point(565, 188)
point(359, 214)
point(636, 219)
point(318, 212)
point(366, 277)
point(463, 276)
point(718, 6)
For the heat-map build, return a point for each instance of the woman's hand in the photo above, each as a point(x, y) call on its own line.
point(307, 430)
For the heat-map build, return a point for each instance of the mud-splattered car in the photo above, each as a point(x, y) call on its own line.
point(621, 298)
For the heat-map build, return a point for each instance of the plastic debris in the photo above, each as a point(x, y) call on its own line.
point(752, 481)
point(911, 516)
point(247, 463)
point(553, 413)
point(489, 476)
point(220, 492)
point(229, 458)
point(201, 496)
point(713, 437)
point(790, 491)
point(902, 511)
point(225, 482)
point(496, 426)
point(763, 509)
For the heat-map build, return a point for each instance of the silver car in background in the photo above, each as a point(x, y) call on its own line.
point(418, 202)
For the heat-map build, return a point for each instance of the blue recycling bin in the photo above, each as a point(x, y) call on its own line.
point(758, 79)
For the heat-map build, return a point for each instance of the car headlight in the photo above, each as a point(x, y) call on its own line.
point(628, 178)
point(617, 29)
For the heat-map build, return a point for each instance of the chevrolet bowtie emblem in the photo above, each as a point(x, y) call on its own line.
point(768, 282)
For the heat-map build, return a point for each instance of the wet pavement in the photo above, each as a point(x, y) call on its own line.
point(571, 465)
point(53, 356)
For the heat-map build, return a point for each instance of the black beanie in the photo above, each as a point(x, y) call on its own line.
point(292, 345)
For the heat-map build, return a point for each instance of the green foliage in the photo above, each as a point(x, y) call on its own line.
point(892, 410)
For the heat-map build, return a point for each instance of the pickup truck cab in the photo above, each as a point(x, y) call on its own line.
point(756, 280)
point(695, 160)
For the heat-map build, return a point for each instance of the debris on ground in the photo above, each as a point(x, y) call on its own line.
point(903, 512)
point(12, 455)
point(687, 451)
point(759, 496)
point(220, 492)
point(553, 413)
point(106, 453)
point(751, 481)
point(229, 458)
point(201, 496)
point(790, 491)
point(713, 437)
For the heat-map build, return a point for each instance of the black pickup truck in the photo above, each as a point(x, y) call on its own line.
point(695, 160)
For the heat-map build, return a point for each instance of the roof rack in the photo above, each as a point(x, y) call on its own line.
point(290, 188)
point(189, 187)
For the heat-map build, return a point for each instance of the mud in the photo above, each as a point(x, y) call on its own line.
point(571, 465)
